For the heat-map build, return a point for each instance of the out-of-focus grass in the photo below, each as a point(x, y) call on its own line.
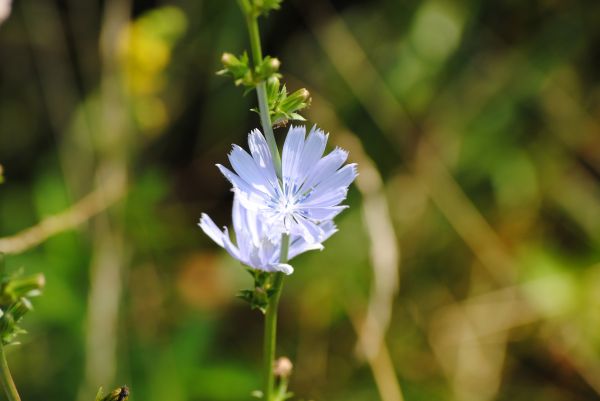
point(480, 118)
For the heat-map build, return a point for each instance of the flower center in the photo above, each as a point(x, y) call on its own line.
point(287, 206)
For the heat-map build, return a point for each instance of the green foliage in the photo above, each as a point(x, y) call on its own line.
point(15, 291)
point(238, 68)
point(242, 73)
point(284, 106)
point(258, 297)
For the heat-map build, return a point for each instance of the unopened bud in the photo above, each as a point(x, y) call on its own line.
point(228, 59)
point(274, 64)
point(282, 367)
point(25, 286)
point(304, 93)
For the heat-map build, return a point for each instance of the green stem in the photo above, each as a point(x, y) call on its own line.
point(270, 335)
point(7, 382)
point(265, 120)
point(271, 324)
point(261, 87)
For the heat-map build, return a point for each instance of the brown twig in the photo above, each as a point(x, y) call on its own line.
point(80, 212)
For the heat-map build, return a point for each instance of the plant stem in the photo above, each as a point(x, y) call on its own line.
point(270, 334)
point(271, 323)
point(7, 382)
point(261, 87)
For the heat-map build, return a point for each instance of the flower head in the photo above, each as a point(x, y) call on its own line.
point(254, 246)
point(310, 190)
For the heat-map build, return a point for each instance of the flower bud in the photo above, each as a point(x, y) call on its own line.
point(282, 367)
point(304, 94)
point(19, 287)
point(228, 59)
point(274, 64)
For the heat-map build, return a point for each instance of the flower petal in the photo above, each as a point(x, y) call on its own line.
point(324, 168)
point(307, 229)
point(210, 228)
point(342, 178)
point(324, 213)
point(234, 251)
point(312, 152)
point(283, 267)
point(246, 168)
point(290, 158)
point(262, 155)
point(298, 245)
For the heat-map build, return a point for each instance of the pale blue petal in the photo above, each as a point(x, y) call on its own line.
point(325, 213)
point(290, 157)
point(327, 166)
point(308, 230)
point(210, 228)
point(262, 155)
point(302, 246)
point(311, 153)
point(246, 168)
point(340, 180)
point(283, 267)
point(298, 245)
point(325, 198)
point(229, 247)
point(234, 179)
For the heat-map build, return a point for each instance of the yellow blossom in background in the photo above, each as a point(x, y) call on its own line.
point(145, 48)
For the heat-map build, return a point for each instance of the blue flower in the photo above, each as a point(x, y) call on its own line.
point(310, 190)
point(255, 247)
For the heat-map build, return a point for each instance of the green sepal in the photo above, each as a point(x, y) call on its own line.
point(266, 69)
point(238, 68)
point(16, 286)
point(284, 107)
point(15, 291)
point(262, 7)
point(259, 296)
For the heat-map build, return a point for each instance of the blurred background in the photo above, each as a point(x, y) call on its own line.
point(466, 268)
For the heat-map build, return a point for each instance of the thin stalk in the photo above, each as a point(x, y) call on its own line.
point(261, 87)
point(7, 382)
point(271, 324)
point(270, 334)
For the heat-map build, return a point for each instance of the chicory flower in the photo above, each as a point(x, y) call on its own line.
point(254, 246)
point(309, 191)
